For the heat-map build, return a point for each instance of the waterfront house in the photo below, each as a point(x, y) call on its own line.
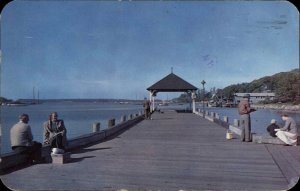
point(254, 97)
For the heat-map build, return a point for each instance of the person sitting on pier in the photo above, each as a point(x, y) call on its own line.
point(271, 128)
point(22, 140)
point(288, 133)
point(55, 132)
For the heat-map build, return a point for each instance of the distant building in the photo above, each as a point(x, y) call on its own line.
point(254, 97)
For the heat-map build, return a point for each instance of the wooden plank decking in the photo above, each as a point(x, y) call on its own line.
point(174, 151)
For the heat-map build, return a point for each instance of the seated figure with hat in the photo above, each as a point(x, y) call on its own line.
point(271, 128)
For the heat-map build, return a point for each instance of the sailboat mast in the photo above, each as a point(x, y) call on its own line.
point(33, 94)
point(38, 96)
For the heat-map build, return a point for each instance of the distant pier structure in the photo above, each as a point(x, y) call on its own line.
point(171, 83)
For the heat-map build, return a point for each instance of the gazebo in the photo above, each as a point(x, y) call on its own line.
point(171, 83)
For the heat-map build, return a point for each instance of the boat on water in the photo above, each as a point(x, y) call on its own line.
point(163, 103)
point(123, 102)
point(17, 104)
point(221, 104)
point(23, 102)
point(229, 104)
point(214, 104)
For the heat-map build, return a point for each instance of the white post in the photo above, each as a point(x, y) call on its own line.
point(150, 99)
point(194, 104)
point(152, 102)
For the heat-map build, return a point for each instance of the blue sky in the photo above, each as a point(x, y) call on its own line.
point(111, 49)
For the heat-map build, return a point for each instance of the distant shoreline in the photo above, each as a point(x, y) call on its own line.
point(26, 102)
point(281, 107)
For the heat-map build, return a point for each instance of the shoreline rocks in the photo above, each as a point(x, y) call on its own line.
point(279, 107)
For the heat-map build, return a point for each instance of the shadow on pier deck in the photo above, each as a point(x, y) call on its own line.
point(173, 151)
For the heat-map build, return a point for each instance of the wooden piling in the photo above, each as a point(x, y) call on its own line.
point(131, 116)
point(123, 118)
point(226, 119)
point(96, 127)
point(236, 122)
point(111, 123)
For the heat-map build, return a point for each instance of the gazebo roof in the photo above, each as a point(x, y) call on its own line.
point(171, 83)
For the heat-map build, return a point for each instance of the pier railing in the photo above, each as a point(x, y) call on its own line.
point(13, 159)
point(237, 129)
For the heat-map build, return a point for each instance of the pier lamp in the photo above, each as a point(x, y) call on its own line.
point(203, 83)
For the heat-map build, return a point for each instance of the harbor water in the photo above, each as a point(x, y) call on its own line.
point(79, 116)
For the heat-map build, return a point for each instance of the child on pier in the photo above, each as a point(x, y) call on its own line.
point(146, 106)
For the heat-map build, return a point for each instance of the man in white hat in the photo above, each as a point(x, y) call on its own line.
point(271, 128)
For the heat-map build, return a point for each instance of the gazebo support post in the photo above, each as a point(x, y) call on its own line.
point(194, 103)
point(152, 101)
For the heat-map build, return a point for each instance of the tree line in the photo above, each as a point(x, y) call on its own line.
point(285, 85)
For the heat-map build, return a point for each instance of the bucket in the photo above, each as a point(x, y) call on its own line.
point(229, 135)
point(57, 151)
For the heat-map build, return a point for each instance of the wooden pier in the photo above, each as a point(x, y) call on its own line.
point(173, 151)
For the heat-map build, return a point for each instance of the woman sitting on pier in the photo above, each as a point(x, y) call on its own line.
point(288, 133)
point(55, 132)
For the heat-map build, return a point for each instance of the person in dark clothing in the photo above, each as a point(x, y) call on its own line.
point(146, 106)
point(244, 110)
point(271, 128)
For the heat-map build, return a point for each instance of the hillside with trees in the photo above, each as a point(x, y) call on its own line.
point(285, 85)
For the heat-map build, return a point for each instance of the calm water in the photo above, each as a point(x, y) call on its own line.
point(79, 117)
